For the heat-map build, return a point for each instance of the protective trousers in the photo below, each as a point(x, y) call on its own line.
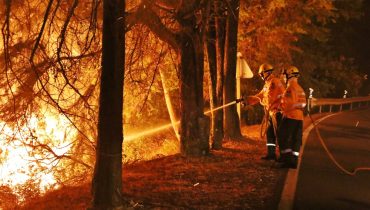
point(290, 140)
point(272, 126)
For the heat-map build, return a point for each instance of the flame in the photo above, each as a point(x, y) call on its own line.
point(20, 164)
point(21, 161)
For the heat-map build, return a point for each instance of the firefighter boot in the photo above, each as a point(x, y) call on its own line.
point(293, 162)
point(270, 154)
point(286, 160)
point(283, 158)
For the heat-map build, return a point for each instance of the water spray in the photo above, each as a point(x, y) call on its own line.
point(170, 109)
point(169, 125)
point(223, 106)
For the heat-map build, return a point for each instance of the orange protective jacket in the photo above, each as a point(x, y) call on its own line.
point(293, 101)
point(270, 94)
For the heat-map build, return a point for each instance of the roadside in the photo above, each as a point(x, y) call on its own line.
point(346, 136)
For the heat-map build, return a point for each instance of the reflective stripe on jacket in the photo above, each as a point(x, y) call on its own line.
point(293, 101)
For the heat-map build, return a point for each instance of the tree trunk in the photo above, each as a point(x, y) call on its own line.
point(194, 127)
point(231, 120)
point(188, 43)
point(107, 181)
point(215, 39)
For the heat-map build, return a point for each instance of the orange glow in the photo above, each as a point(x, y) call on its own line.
point(149, 131)
point(220, 107)
point(169, 125)
point(18, 161)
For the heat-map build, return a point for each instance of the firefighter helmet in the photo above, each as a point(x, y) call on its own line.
point(290, 72)
point(265, 70)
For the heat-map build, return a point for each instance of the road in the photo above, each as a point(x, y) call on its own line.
point(321, 185)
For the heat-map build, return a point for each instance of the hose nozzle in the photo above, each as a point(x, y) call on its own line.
point(239, 100)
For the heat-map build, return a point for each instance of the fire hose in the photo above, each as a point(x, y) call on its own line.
point(265, 119)
point(263, 130)
point(331, 156)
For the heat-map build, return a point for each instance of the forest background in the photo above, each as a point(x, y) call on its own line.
point(51, 68)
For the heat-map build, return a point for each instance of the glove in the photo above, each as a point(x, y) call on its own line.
point(241, 101)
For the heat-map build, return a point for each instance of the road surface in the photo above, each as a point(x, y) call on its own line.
point(321, 185)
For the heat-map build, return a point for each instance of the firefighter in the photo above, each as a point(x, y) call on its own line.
point(269, 97)
point(293, 103)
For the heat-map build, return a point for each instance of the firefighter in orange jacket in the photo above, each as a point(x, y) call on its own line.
point(290, 130)
point(269, 97)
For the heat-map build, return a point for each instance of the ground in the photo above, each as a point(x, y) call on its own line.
point(232, 178)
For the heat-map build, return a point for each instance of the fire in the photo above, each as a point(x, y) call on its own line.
point(21, 159)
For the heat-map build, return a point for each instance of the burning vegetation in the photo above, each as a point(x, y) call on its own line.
point(79, 77)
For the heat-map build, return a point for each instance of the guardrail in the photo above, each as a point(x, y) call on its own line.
point(337, 102)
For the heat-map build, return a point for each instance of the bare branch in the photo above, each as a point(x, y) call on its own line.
point(41, 30)
point(60, 109)
point(93, 24)
point(160, 57)
point(145, 15)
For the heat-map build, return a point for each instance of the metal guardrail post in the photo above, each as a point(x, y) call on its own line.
point(350, 108)
point(320, 109)
point(340, 108)
point(330, 108)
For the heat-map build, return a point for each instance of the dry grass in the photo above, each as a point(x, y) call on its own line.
point(231, 178)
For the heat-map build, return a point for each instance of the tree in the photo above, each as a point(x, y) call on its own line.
point(221, 50)
point(329, 60)
point(215, 40)
point(294, 32)
point(186, 39)
point(107, 181)
point(43, 81)
point(53, 67)
point(231, 119)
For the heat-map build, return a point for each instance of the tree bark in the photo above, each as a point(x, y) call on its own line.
point(107, 181)
point(231, 120)
point(215, 39)
point(194, 128)
point(188, 43)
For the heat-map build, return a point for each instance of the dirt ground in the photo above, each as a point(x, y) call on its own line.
point(232, 178)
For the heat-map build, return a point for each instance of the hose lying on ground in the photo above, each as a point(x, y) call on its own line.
point(330, 155)
point(263, 130)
